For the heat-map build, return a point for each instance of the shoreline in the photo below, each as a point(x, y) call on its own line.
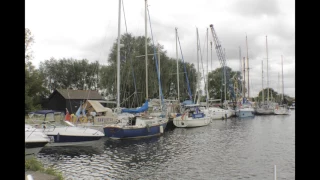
point(37, 175)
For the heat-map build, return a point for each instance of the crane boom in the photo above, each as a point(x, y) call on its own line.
point(222, 59)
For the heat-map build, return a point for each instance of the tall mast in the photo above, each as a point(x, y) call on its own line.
point(197, 67)
point(248, 68)
point(146, 44)
point(224, 74)
point(207, 69)
point(267, 70)
point(244, 79)
point(279, 86)
point(159, 74)
point(211, 54)
point(282, 80)
point(177, 64)
point(118, 58)
point(240, 88)
point(262, 84)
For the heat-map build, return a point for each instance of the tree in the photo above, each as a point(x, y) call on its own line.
point(28, 41)
point(133, 74)
point(70, 73)
point(34, 89)
point(216, 88)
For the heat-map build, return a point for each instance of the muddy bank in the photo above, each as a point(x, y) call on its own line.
point(40, 175)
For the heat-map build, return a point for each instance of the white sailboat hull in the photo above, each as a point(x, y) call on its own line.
point(245, 112)
point(281, 111)
point(217, 113)
point(263, 111)
point(190, 122)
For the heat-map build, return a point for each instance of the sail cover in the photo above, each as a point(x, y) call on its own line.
point(143, 108)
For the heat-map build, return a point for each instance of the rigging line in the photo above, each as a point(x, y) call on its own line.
point(125, 22)
point(127, 98)
point(134, 80)
point(156, 59)
point(103, 43)
point(129, 53)
point(69, 100)
point(204, 78)
point(189, 90)
point(95, 67)
point(201, 63)
point(68, 87)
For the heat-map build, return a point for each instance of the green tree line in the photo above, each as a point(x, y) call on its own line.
point(83, 74)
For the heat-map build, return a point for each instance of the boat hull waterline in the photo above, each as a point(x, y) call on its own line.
point(33, 148)
point(116, 132)
point(242, 113)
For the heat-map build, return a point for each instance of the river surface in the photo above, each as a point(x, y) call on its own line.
point(225, 149)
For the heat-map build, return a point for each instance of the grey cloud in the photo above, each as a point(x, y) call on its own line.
point(256, 8)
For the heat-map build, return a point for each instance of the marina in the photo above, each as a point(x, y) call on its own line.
point(108, 108)
point(236, 148)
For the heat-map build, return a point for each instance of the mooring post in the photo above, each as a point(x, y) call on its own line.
point(29, 177)
point(275, 172)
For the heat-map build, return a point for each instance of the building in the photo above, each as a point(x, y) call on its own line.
point(61, 99)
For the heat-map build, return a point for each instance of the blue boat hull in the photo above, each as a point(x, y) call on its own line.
point(124, 133)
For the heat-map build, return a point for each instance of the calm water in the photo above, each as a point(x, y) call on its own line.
point(232, 149)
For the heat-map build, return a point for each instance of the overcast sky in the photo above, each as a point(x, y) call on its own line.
point(87, 29)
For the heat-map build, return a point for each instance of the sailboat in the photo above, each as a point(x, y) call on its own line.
point(266, 108)
point(156, 105)
point(293, 105)
point(281, 109)
point(244, 108)
point(263, 108)
point(136, 126)
point(191, 115)
point(215, 113)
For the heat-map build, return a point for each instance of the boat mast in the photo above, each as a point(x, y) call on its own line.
point(248, 68)
point(267, 70)
point(279, 96)
point(244, 79)
point(177, 64)
point(197, 68)
point(146, 48)
point(118, 58)
point(262, 84)
point(240, 88)
point(224, 75)
point(211, 54)
point(207, 71)
point(159, 75)
point(282, 80)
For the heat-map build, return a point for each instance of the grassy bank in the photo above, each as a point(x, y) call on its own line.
point(32, 164)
